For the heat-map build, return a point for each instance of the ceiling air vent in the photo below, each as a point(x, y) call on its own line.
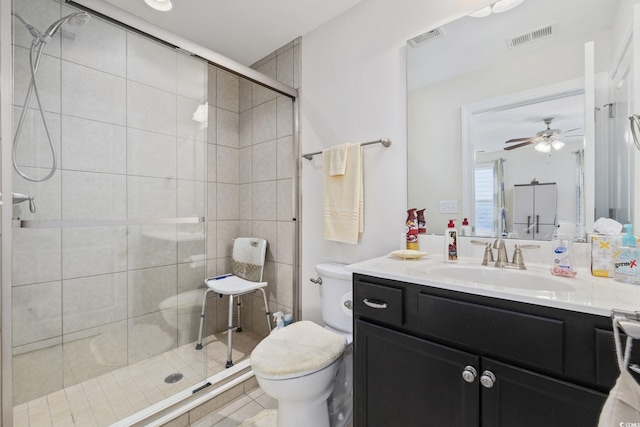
point(426, 37)
point(531, 36)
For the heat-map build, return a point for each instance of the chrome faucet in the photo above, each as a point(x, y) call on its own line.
point(502, 260)
point(517, 261)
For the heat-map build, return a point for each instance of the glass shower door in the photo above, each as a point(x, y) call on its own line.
point(109, 253)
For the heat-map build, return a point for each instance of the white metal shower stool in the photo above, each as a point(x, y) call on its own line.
point(248, 260)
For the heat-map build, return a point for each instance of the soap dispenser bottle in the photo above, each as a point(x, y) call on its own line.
point(562, 258)
point(451, 243)
point(625, 261)
point(465, 229)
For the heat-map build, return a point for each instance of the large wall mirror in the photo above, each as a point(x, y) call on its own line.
point(520, 119)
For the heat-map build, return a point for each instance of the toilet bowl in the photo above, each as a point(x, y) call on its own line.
point(297, 365)
point(308, 368)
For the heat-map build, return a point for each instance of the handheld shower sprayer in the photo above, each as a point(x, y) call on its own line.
point(75, 19)
point(35, 52)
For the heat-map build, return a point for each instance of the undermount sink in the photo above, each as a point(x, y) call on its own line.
point(502, 277)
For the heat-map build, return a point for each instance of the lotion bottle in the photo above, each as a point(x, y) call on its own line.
point(451, 243)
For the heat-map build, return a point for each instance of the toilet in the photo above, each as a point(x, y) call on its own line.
point(308, 368)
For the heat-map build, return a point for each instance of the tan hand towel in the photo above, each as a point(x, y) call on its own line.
point(337, 159)
point(343, 199)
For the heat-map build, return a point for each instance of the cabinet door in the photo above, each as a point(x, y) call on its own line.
point(545, 203)
point(523, 204)
point(521, 398)
point(405, 381)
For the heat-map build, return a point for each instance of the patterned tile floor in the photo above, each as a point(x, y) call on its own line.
point(111, 397)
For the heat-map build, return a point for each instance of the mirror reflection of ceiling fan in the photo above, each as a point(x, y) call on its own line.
point(545, 140)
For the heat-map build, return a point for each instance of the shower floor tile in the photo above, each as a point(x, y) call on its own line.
point(118, 394)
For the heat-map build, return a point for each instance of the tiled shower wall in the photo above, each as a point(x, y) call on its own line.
point(254, 173)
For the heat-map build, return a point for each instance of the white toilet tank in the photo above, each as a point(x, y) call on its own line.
point(335, 296)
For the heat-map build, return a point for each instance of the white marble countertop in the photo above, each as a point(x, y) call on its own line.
point(584, 293)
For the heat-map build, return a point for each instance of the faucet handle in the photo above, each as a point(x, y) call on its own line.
point(19, 198)
point(488, 253)
point(518, 260)
point(529, 246)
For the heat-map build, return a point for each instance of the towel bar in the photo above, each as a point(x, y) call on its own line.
point(384, 141)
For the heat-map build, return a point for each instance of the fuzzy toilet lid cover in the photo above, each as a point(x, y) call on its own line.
point(299, 348)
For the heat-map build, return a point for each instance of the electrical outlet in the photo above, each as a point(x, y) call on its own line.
point(448, 206)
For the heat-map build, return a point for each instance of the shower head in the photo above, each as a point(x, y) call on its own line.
point(76, 19)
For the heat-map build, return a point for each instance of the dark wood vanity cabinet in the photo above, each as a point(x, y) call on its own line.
point(425, 357)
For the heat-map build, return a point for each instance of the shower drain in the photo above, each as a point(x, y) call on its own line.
point(173, 378)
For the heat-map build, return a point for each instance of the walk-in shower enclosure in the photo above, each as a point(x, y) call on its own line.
point(162, 159)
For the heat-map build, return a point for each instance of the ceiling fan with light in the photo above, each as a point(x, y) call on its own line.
point(544, 140)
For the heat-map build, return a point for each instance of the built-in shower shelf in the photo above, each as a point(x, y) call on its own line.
point(21, 223)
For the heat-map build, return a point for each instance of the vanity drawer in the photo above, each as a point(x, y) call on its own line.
point(379, 302)
point(534, 340)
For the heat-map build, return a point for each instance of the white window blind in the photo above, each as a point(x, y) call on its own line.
point(485, 199)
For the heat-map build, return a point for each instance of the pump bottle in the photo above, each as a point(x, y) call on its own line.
point(562, 258)
point(451, 243)
point(465, 228)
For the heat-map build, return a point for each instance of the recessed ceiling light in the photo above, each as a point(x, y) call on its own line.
point(504, 5)
point(162, 5)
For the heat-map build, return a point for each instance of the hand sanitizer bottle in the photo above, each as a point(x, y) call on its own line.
point(625, 258)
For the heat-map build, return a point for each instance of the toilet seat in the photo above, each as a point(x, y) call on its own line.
point(299, 349)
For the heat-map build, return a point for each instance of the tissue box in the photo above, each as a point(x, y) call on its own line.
point(602, 249)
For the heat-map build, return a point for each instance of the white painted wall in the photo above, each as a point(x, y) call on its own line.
point(354, 90)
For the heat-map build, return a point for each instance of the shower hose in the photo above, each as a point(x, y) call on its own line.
point(35, 53)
